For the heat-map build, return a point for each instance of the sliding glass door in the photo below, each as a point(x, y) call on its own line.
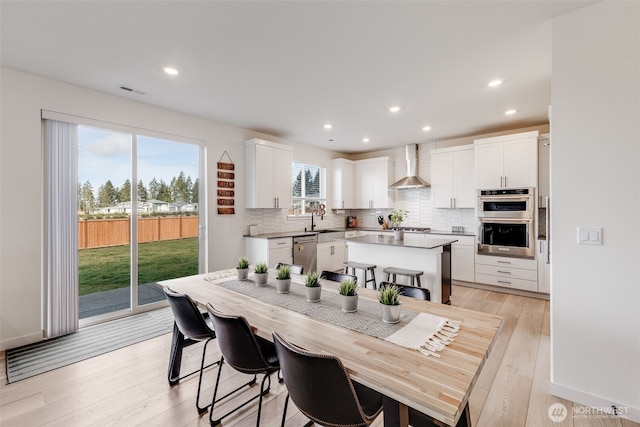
point(138, 219)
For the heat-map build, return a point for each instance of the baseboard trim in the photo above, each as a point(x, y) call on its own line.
point(596, 402)
point(501, 289)
point(20, 341)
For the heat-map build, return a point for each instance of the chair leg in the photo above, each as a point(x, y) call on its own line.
point(263, 391)
point(202, 368)
point(373, 277)
point(418, 281)
point(284, 413)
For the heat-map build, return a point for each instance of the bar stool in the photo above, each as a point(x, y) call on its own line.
point(365, 268)
point(395, 271)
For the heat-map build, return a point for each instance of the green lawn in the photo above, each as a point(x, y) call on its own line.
point(103, 269)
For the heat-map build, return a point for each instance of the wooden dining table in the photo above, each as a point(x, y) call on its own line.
point(438, 387)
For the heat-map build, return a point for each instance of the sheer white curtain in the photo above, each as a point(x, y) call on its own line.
point(61, 228)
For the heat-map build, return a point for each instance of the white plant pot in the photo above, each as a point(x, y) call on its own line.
point(243, 273)
point(283, 285)
point(390, 313)
point(313, 294)
point(349, 303)
point(398, 234)
point(261, 278)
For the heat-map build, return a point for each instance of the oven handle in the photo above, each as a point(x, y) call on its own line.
point(506, 220)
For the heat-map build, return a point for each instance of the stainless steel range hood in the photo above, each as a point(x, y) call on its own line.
point(412, 180)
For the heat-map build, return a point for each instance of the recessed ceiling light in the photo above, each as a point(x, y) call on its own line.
point(394, 109)
point(365, 139)
point(171, 71)
point(494, 83)
point(328, 126)
point(510, 112)
point(426, 128)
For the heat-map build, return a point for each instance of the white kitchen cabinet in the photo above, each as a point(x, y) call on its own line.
point(463, 254)
point(372, 180)
point(271, 251)
point(268, 174)
point(544, 268)
point(453, 177)
point(342, 185)
point(509, 161)
point(515, 273)
point(331, 255)
point(544, 158)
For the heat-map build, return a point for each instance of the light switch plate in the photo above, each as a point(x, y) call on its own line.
point(590, 235)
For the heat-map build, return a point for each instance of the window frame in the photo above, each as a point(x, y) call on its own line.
point(322, 199)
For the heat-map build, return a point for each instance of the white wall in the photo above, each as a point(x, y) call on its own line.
point(595, 181)
point(23, 96)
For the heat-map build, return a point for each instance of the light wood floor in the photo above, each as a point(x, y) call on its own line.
point(128, 387)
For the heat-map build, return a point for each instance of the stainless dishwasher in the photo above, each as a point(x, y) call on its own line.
point(305, 252)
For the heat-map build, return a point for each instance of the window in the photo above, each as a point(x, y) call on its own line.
point(308, 183)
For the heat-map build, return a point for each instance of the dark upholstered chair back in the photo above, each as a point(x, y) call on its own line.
point(237, 343)
point(190, 321)
point(320, 387)
point(412, 291)
point(337, 277)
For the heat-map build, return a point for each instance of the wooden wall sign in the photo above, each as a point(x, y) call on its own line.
point(226, 184)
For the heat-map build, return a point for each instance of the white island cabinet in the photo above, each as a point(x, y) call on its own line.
point(453, 177)
point(415, 252)
point(509, 161)
point(271, 251)
point(268, 174)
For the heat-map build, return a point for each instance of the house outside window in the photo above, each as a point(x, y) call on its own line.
point(309, 188)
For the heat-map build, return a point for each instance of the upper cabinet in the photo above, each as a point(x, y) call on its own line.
point(268, 174)
point(453, 177)
point(342, 184)
point(372, 180)
point(509, 161)
point(544, 147)
point(362, 184)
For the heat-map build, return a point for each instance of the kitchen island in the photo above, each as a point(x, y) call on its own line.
point(415, 252)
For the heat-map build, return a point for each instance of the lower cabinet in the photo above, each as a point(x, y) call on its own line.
point(463, 258)
point(271, 251)
point(544, 268)
point(331, 255)
point(515, 273)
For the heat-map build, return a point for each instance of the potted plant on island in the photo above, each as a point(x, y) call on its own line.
point(348, 290)
point(389, 297)
point(314, 290)
point(283, 279)
point(261, 273)
point(396, 218)
point(243, 268)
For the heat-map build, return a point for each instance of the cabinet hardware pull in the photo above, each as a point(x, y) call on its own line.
point(504, 272)
point(505, 282)
point(503, 262)
point(505, 181)
point(281, 243)
point(501, 178)
point(454, 202)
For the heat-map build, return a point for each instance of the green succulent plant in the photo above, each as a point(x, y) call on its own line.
point(312, 280)
point(389, 295)
point(348, 287)
point(261, 267)
point(284, 272)
point(243, 263)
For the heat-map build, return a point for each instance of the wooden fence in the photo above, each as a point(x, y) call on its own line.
point(101, 233)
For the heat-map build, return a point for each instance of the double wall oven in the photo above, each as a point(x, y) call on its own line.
point(506, 222)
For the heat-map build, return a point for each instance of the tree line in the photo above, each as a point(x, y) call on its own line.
point(180, 189)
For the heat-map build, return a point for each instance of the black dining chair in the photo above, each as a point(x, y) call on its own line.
point(411, 291)
point(337, 277)
point(246, 353)
point(194, 327)
point(319, 385)
point(295, 268)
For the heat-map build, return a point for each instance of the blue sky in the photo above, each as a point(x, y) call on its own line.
point(106, 155)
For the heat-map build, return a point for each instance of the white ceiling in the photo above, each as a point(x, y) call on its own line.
point(287, 68)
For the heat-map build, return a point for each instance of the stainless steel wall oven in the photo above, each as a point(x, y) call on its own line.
point(506, 222)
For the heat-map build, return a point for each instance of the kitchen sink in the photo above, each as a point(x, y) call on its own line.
point(329, 235)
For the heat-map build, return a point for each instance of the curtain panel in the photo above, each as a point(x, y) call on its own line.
point(61, 228)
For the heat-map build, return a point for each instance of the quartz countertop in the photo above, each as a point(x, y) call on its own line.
point(283, 234)
point(410, 241)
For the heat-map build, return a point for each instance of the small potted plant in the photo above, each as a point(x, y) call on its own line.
point(243, 268)
point(389, 297)
point(283, 279)
point(348, 290)
point(312, 282)
point(261, 273)
point(396, 218)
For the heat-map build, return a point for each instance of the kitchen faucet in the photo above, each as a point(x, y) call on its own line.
point(313, 225)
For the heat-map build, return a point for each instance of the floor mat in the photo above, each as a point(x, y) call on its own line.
point(33, 359)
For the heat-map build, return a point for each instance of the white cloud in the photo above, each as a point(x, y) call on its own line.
point(114, 144)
